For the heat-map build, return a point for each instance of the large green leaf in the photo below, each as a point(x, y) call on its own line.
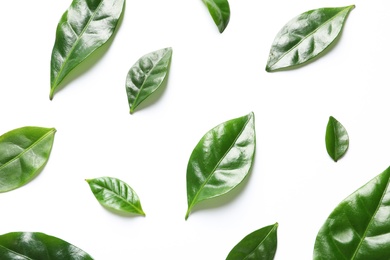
point(258, 245)
point(220, 12)
point(147, 75)
point(83, 28)
point(38, 246)
point(306, 36)
point(115, 194)
point(359, 227)
point(336, 139)
point(23, 153)
point(221, 160)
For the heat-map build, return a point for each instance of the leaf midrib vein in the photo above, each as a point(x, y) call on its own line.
point(369, 223)
point(310, 34)
point(75, 43)
point(16, 253)
point(269, 233)
point(27, 149)
point(219, 162)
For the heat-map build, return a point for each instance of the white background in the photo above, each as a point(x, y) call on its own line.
point(213, 78)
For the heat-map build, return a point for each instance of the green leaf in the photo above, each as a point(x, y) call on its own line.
point(23, 153)
point(220, 12)
point(83, 28)
point(221, 160)
point(147, 75)
point(359, 227)
point(258, 245)
point(336, 139)
point(35, 245)
point(306, 36)
point(116, 195)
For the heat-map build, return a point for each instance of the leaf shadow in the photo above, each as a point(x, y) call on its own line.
point(314, 59)
point(89, 62)
point(226, 198)
point(155, 96)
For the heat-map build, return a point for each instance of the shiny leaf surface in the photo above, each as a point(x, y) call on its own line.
point(359, 227)
point(221, 160)
point(306, 36)
point(23, 153)
point(147, 75)
point(115, 194)
point(258, 245)
point(35, 245)
point(336, 139)
point(82, 29)
point(220, 12)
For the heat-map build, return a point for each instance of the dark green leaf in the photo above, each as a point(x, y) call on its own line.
point(38, 246)
point(147, 75)
point(359, 227)
point(83, 28)
point(115, 194)
point(221, 160)
point(336, 139)
point(23, 153)
point(258, 245)
point(220, 11)
point(306, 36)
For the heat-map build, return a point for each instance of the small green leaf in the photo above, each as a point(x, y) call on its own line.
point(84, 27)
point(336, 139)
point(221, 160)
point(115, 194)
point(306, 36)
point(146, 76)
point(23, 153)
point(258, 245)
point(35, 245)
point(359, 227)
point(220, 12)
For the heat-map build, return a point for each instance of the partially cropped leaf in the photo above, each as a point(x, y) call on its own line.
point(115, 194)
point(336, 139)
point(147, 75)
point(35, 245)
point(83, 28)
point(306, 36)
point(258, 245)
point(23, 153)
point(220, 12)
point(221, 160)
point(359, 227)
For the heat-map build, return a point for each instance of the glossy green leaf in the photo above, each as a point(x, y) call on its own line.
point(83, 28)
point(258, 245)
point(221, 160)
point(306, 36)
point(23, 153)
point(336, 139)
point(35, 245)
point(147, 75)
point(359, 227)
point(220, 12)
point(115, 194)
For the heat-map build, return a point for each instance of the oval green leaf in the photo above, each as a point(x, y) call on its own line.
point(359, 227)
point(221, 160)
point(306, 36)
point(258, 245)
point(23, 153)
point(36, 245)
point(147, 75)
point(83, 28)
point(220, 12)
point(336, 139)
point(116, 195)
